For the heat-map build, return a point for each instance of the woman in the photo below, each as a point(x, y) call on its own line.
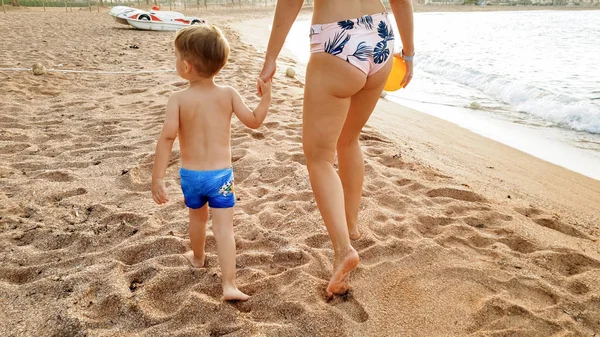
point(351, 56)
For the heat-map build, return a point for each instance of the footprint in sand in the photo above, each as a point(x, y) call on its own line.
point(168, 290)
point(371, 137)
point(14, 148)
point(155, 247)
point(131, 91)
point(68, 194)
point(318, 241)
point(389, 250)
point(566, 263)
point(56, 176)
point(454, 193)
point(237, 154)
point(578, 288)
point(561, 227)
point(119, 218)
point(273, 263)
point(349, 306)
point(20, 275)
point(54, 241)
point(551, 222)
point(496, 315)
point(519, 243)
point(430, 226)
point(140, 276)
point(389, 229)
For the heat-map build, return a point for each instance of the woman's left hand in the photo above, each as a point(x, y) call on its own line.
point(266, 74)
point(409, 72)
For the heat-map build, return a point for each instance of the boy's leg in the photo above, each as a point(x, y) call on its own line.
point(223, 229)
point(197, 231)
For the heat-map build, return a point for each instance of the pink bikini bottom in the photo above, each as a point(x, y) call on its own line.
point(366, 43)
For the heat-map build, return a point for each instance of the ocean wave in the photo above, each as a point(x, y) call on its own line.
point(559, 109)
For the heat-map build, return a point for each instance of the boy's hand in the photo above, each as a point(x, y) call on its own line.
point(159, 191)
point(264, 88)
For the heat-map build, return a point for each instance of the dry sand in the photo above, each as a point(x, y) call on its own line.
point(445, 252)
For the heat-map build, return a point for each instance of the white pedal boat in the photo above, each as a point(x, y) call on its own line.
point(154, 19)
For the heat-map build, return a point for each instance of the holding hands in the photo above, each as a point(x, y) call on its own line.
point(266, 75)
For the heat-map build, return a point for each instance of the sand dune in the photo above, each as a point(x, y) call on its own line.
point(85, 251)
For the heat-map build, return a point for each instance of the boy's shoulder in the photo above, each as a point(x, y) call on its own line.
point(227, 89)
point(176, 95)
point(189, 95)
point(227, 92)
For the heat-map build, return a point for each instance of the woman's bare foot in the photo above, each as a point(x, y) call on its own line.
point(196, 262)
point(231, 293)
point(339, 280)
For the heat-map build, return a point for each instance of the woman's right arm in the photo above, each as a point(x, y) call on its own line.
point(403, 12)
point(286, 13)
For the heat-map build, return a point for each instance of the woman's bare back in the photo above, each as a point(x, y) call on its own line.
point(326, 11)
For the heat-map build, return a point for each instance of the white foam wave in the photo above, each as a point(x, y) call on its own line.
point(561, 110)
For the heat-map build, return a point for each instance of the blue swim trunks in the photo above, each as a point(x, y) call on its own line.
point(214, 187)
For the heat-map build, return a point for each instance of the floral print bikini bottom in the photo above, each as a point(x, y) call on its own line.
point(366, 42)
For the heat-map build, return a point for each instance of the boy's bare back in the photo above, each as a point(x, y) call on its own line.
point(204, 126)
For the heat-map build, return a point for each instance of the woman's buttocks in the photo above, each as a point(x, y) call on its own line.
point(327, 11)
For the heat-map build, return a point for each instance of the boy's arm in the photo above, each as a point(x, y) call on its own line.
point(163, 150)
point(252, 119)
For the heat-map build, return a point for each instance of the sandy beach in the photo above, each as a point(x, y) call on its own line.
point(463, 236)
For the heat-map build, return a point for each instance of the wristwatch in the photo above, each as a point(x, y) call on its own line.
point(407, 58)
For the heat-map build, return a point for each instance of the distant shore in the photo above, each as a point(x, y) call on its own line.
point(492, 8)
point(417, 8)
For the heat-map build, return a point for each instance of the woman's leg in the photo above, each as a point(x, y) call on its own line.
point(350, 159)
point(330, 84)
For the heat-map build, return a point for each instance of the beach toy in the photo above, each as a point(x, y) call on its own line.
point(396, 75)
point(290, 72)
point(38, 69)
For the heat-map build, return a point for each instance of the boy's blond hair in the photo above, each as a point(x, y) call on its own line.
point(204, 47)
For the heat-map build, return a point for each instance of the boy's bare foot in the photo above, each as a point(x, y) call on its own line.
point(339, 280)
point(234, 294)
point(196, 262)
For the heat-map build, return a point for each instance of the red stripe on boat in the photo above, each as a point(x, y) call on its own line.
point(187, 22)
point(154, 18)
